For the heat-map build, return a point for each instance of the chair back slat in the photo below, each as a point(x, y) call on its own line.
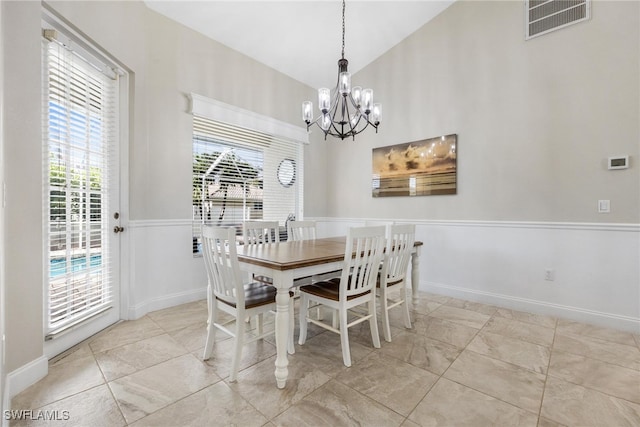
point(360, 270)
point(301, 230)
point(221, 262)
point(256, 232)
point(400, 240)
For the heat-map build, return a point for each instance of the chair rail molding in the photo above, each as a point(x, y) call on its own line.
point(632, 227)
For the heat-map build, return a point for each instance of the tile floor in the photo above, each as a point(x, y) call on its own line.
point(462, 364)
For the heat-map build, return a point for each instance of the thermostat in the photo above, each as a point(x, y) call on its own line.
point(619, 162)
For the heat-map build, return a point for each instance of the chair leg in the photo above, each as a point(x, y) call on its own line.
point(373, 322)
point(259, 325)
point(407, 316)
point(344, 338)
point(211, 329)
point(210, 300)
point(290, 344)
point(385, 313)
point(237, 349)
point(304, 309)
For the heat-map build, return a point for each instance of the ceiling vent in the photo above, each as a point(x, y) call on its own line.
point(544, 16)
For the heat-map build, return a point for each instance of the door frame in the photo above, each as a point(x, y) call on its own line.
point(76, 334)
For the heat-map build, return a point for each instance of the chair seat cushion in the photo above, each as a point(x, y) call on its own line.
point(329, 289)
point(255, 295)
point(392, 283)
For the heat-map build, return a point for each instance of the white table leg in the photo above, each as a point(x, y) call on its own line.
point(282, 333)
point(415, 275)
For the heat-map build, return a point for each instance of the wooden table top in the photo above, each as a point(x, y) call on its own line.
point(295, 254)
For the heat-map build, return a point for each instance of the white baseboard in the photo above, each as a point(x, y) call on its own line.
point(165, 301)
point(26, 375)
point(607, 320)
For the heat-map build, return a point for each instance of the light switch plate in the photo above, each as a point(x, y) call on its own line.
point(604, 206)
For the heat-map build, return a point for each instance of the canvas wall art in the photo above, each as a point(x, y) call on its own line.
point(421, 168)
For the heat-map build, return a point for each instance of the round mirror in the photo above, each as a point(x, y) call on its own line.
point(287, 172)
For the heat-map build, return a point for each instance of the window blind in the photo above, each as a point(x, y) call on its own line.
point(236, 179)
point(79, 130)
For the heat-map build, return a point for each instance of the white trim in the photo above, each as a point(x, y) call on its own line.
point(219, 111)
point(630, 324)
point(147, 223)
point(80, 43)
point(78, 333)
point(123, 190)
point(629, 227)
point(166, 301)
point(27, 375)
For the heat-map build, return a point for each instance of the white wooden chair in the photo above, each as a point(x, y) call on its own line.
point(256, 232)
point(354, 287)
point(228, 293)
point(301, 230)
point(297, 231)
point(393, 274)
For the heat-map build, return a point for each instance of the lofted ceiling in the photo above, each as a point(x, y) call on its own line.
point(303, 38)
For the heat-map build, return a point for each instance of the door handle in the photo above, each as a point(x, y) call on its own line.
point(117, 229)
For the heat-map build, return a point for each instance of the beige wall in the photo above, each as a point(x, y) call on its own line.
point(2, 255)
point(536, 120)
point(23, 175)
point(166, 62)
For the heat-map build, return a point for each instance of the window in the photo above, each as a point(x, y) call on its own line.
point(238, 175)
point(80, 128)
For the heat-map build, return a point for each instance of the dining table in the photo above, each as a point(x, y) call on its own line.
point(286, 261)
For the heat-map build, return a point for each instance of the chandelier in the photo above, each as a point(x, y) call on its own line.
point(347, 111)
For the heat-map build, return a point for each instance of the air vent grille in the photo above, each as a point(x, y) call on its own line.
point(543, 16)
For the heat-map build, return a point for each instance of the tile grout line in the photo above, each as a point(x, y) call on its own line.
point(546, 376)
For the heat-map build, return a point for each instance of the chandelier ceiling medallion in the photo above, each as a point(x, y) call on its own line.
point(347, 111)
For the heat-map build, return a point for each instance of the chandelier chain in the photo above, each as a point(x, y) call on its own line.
point(343, 26)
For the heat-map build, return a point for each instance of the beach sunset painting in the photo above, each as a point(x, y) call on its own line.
point(420, 168)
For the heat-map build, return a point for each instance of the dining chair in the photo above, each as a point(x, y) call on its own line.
point(355, 286)
point(297, 231)
point(301, 230)
point(256, 232)
point(226, 292)
point(393, 273)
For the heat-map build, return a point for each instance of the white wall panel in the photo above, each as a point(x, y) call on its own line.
point(597, 276)
point(163, 270)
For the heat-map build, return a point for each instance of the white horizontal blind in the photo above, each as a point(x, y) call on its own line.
point(79, 120)
point(235, 176)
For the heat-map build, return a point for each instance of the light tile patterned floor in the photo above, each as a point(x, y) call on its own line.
point(462, 364)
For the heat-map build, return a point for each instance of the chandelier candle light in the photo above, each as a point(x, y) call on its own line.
point(349, 110)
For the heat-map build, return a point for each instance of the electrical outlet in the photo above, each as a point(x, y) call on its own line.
point(549, 275)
